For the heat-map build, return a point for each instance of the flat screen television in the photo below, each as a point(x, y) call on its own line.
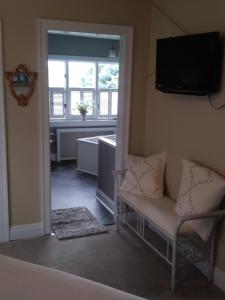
point(189, 64)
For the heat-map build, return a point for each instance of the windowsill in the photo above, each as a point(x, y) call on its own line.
point(79, 123)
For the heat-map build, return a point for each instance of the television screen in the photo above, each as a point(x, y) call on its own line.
point(189, 64)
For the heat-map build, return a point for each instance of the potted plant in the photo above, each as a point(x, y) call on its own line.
point(83, 109)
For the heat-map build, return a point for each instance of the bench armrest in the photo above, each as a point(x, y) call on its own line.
point(217, 214)
point(213, 214)
point(118, 172)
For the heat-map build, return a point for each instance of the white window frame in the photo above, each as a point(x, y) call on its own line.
point(4, 204)
point(82, 91)
point(110, 116)
point(53, 91)
point(67, 95)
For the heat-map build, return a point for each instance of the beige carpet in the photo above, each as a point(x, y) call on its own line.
point(119, 260)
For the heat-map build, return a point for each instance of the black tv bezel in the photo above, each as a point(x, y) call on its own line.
point(215, 86)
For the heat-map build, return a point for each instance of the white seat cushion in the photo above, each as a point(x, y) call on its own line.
point(158, 211)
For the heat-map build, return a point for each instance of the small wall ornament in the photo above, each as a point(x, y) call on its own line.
point(21, 84)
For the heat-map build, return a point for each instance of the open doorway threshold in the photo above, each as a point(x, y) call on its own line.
point(71, 188)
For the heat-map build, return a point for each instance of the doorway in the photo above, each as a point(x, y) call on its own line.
point(4, 212)
point(124, 33)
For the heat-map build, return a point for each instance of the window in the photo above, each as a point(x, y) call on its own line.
point(57, 85)
point(108, 76)
point(56, 73)
point(58, 104)
point(82, 95)
point(82, 74)
point(103, 103)
point(93, 82)
point(114, 103)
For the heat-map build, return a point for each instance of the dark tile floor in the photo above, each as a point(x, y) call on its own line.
point(71, 188)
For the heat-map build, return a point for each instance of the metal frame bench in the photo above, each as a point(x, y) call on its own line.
point(180, 250)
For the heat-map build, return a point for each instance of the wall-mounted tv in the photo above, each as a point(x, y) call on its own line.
point(189, 64)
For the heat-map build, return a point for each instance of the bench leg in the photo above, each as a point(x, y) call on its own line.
point(174, 266)
point(211, 259)
point(118, 223)
point(118, 216)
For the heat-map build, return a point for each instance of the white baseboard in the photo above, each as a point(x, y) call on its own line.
point(102, 203)
point(26, 231)
point(53, 157)
point(85, 171)
point(103, 198)
point(68, 158)
point(218, 278)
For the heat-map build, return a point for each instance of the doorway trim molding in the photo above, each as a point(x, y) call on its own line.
point(4, 208)
point(123, 119)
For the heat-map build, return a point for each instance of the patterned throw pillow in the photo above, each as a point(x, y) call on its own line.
point(201, 191)
point(145, 175)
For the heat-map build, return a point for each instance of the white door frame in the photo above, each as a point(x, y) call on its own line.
point(4, 210)
point(123, 119)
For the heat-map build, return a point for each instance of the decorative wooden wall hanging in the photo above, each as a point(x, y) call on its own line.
point(22, 84)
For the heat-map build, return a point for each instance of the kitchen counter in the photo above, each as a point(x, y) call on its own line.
point(109, 139)
point(106, 164)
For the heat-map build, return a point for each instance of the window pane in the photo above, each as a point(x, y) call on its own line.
point(104, 104)
point(82, 74)
point(108, 76)
point(114, 103)
point(74, 101)
point(58, 105)
point(56, 73)
point(49, 101)
point(88, 98)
